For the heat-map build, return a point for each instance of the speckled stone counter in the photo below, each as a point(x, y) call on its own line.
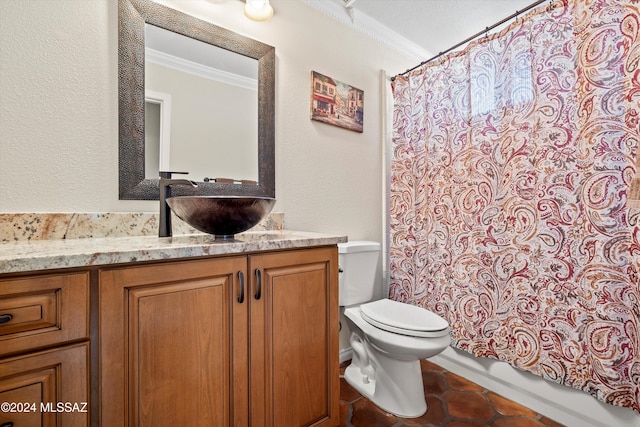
point(55, 226)
point(34, 255)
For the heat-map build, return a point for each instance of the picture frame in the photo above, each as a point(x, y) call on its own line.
point(336, 103)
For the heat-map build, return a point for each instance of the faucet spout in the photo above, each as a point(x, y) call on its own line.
point(164, 226)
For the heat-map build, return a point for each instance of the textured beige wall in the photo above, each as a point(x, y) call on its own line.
point(58, 106)
point(59, 112)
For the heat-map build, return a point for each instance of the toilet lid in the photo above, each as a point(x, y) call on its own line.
point(404, 319)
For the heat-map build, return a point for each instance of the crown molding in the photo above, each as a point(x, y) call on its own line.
point(180, 64)
point(363, 23)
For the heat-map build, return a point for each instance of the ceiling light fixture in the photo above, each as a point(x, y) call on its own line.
point(258, 10)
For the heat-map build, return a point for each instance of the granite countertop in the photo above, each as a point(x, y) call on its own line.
point(36, 255)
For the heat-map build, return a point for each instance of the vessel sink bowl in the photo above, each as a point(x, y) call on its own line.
point(222, 216)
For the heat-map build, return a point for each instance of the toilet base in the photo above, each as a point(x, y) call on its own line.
point(405, 399)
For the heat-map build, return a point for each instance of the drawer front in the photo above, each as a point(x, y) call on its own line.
point(46, 389)
point(40, 311)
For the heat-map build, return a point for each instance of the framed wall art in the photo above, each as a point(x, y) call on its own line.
point(336, 103)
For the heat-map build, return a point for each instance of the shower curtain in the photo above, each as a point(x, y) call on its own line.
point(510, 180)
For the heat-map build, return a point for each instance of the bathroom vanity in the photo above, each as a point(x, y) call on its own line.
point(141, 331)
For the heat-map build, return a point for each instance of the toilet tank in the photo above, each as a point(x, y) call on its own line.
point(358, 262)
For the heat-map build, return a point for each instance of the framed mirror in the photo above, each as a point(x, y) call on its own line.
point(144, 29)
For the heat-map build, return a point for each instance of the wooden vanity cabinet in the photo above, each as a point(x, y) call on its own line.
point(44, 350)
point(241, 340)
point(168, 336)
point(294, 367)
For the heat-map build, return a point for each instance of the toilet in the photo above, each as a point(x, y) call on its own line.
point(388, 338)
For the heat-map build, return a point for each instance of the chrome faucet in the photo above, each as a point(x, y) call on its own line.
point(164, 229)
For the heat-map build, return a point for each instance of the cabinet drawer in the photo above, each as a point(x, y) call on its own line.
point(39, 311)
point(35, 385)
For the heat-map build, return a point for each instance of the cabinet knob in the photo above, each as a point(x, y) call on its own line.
point(7, 424)
point(259, 286)
point(241, 297)
point(5, 318)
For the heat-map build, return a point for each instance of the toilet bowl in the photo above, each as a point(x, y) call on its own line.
point(388, 340)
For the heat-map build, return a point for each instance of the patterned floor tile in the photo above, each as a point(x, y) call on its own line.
point(469, 405)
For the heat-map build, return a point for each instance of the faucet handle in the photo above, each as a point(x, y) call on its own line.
point(167, 174)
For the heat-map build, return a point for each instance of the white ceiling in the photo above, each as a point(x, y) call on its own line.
point(431, 25)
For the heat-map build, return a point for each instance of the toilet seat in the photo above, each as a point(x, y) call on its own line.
point(404, 319)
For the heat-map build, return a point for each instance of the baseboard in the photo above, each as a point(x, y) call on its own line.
point(345, 354)
point(566, 405)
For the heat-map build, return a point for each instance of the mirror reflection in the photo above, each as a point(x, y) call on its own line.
point(201, 108)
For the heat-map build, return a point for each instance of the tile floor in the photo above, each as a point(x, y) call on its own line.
point(452, 401)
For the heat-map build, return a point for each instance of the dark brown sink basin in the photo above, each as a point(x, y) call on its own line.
point(222, 216)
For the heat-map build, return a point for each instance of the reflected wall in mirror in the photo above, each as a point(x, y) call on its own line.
point(192, 97)
point(157, 133)
point(213, 100)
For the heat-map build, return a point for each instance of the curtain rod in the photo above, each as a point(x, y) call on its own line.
point(478, 34)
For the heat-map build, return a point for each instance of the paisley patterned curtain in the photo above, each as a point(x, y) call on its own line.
point(510, 214)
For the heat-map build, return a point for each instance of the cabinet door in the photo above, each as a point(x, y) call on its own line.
point(168, 346)
point(49, 388)
point(294, 378)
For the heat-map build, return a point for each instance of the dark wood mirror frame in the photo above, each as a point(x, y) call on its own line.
point(132, 16)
